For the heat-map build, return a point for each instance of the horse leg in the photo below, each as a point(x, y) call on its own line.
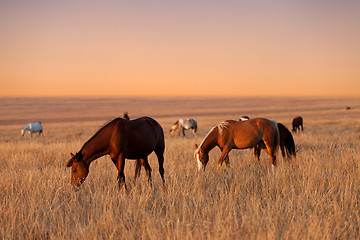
point(287, 153)
point(282, 148)
point(257, 151)
point(137, 169)
point(183, 131)
point(224, 155)
point(120, 165)
point(160, 155)
point(145, 162)
point(270, 152)
point(226, 160)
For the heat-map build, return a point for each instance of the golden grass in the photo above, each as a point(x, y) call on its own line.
point(316, 196)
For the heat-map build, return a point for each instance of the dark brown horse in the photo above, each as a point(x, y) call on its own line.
point(139, 162)
point(238, 135)
point(120, 139)
point(297, 123)
point(287, 143)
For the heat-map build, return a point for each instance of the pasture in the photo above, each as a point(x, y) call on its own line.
point(315, 196)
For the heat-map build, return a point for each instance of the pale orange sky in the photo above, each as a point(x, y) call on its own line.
point(179, 48)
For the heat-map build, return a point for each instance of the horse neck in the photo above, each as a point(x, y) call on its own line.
point(210, 140)
point(96, 146)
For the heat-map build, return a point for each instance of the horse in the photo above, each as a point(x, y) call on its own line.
point(139, 163)
point(287, 144)
point(244, 118)
point(238, 135)
point(184, 124)
point(126, 116)
point(297, 123)
point(33, 128)
point(120, 138)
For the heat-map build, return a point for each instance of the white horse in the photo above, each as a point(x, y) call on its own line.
point(184, 124)
point(244, 118)
point(33, 128)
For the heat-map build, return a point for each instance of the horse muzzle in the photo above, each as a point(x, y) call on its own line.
point(201, 167)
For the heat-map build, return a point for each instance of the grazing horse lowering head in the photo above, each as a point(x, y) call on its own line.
point(79, 169)
point(201, 157)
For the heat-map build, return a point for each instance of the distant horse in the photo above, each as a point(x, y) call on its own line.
point(238, 135)
point(182, 125)
point(244, 118)
point(126, 116)
point(33, 128)
point(297, 123)
point(120, 139)
point(287, 143)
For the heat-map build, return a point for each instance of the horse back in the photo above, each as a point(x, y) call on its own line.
point(246, 134)
point(34, 127)
point(143, 135)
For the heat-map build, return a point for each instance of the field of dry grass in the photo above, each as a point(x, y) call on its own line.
point(315, 196)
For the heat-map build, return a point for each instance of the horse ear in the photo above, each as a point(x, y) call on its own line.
point(196, 146)
point(70, 162)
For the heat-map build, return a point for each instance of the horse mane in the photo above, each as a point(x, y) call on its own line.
point(98, 131)
point(224, 125)
point(207, 135)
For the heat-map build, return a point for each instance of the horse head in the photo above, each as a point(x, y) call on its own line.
point(79, 169)
point(201, 157)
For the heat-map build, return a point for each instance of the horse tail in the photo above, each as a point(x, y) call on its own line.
point(276, 139)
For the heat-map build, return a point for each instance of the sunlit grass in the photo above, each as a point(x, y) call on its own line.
point(315, 196)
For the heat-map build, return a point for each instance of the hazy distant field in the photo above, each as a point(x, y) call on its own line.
point(316, 196)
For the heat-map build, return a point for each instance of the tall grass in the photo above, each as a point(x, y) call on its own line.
point(315, 196)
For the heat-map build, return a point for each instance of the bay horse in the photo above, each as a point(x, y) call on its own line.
point(120, 138)
point(297, 123)
point(238, 135)
point(139, 162)
point(287, 144)
point(184, 124)
point(33, 128)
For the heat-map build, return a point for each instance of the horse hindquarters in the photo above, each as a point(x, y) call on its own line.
point(272, 145)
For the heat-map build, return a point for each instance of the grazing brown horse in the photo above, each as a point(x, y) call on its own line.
point(287, 143)
point(238, 135)
point(120, 139)
point(297, 123)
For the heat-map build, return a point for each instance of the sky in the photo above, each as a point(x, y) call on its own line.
point(179, 48)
